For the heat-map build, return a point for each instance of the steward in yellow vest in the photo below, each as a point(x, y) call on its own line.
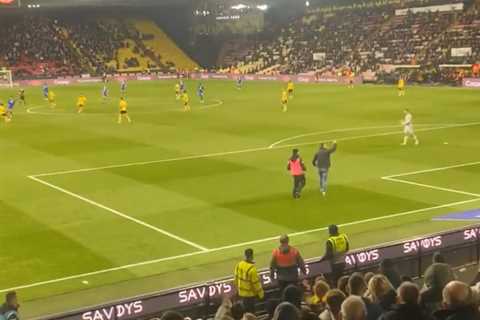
point(337, 246)
point(247, 282)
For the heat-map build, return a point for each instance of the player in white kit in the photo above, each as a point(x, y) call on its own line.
point(408, 128)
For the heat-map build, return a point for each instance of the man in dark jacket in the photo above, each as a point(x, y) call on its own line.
point(458, 303)
point(322, 162)
point(9, 310)
point(408, 307)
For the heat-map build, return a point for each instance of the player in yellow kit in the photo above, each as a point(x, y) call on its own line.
point(401, 87)
point(177, 91)
point(123, 105)
point(81, 101)
point(51, 99)
point(284, 100)
point(3, 112)
point(290, 88)
point(186, 101)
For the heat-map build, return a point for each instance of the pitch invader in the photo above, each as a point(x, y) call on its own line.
point(81, 102)
point(45, 91)
point(10, 105)
point(186, 101)
point(401, 86)
point(123, 87)
point(201, 92)
point(284, 101)
point(408, 131)
point(290, 89)
point(21, 96)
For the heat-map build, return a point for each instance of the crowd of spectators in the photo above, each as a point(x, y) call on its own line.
point(385, 295)
point(364, 38)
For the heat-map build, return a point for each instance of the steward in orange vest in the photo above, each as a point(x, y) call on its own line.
point(297, 170)
point(286, 263)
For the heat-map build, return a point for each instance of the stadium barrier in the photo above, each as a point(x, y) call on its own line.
point(412, 257)
point(471, 82)
point(195, 76)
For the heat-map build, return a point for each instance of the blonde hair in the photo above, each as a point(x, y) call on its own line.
point(378, 286)
point(320, 289)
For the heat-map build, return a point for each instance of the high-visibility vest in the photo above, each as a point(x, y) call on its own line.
point(296, 167)
point(285, 260)
point(247, 280)
point(339, 243)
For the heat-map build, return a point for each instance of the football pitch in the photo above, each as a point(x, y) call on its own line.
point(94, 211)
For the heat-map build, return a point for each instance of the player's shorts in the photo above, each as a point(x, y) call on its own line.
point(185, 104)
point(51, 100)
point(408, 130)
point(80, 105)
point(290, 90)
point(401, 88)
point(284, 101)
point(3, 115)
point(123, 111)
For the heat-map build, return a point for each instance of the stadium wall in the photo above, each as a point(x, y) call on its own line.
point(411, 257)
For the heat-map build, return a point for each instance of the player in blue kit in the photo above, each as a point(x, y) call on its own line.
point(45, 91)
point(10, 105)
point(201, 92)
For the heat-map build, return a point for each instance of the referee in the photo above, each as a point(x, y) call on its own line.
point(336, 247)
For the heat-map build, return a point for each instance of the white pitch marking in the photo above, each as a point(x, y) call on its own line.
point(186, 255)
point(432, 187)
point(219, 154)
point(468, 164)
point(120, 214)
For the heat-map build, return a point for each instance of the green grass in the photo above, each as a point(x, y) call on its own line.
point(240, 192)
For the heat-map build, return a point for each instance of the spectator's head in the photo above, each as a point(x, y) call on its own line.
point(408, 293)
point(293, 295)
point(286, 311)
point(249, 254)
point(438, 258)
point(334, 299)
point(456, 295)
point(368, 276)
point(11, 300)
point(405, 278)
point(322, 145)
point(342, 284)
point(320, 289)
point(284, 240)
point(238, 310)
point(333, 228)
point(353, 308)
point(172, 315)
point(356, 284)
point(378, 287)
point(249, 316)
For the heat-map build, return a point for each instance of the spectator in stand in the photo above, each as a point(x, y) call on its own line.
point(381, 292)
point(408, 307)
point(436, 277)
point(9, 310)
point(286, 311)
point(335, 248)
point(293, 295)
point(368, 276)
point(353, 308)
point(342, 284)
point(320, 289)
point(172, 315)
point(285, 263)
point(333, 299)
point(247, 282)
point(387, 268)
point(358, 287)
point(457, 303)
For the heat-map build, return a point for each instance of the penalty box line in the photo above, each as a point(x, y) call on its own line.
point(237, 245)
point(120, 214)
point(396, 178)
